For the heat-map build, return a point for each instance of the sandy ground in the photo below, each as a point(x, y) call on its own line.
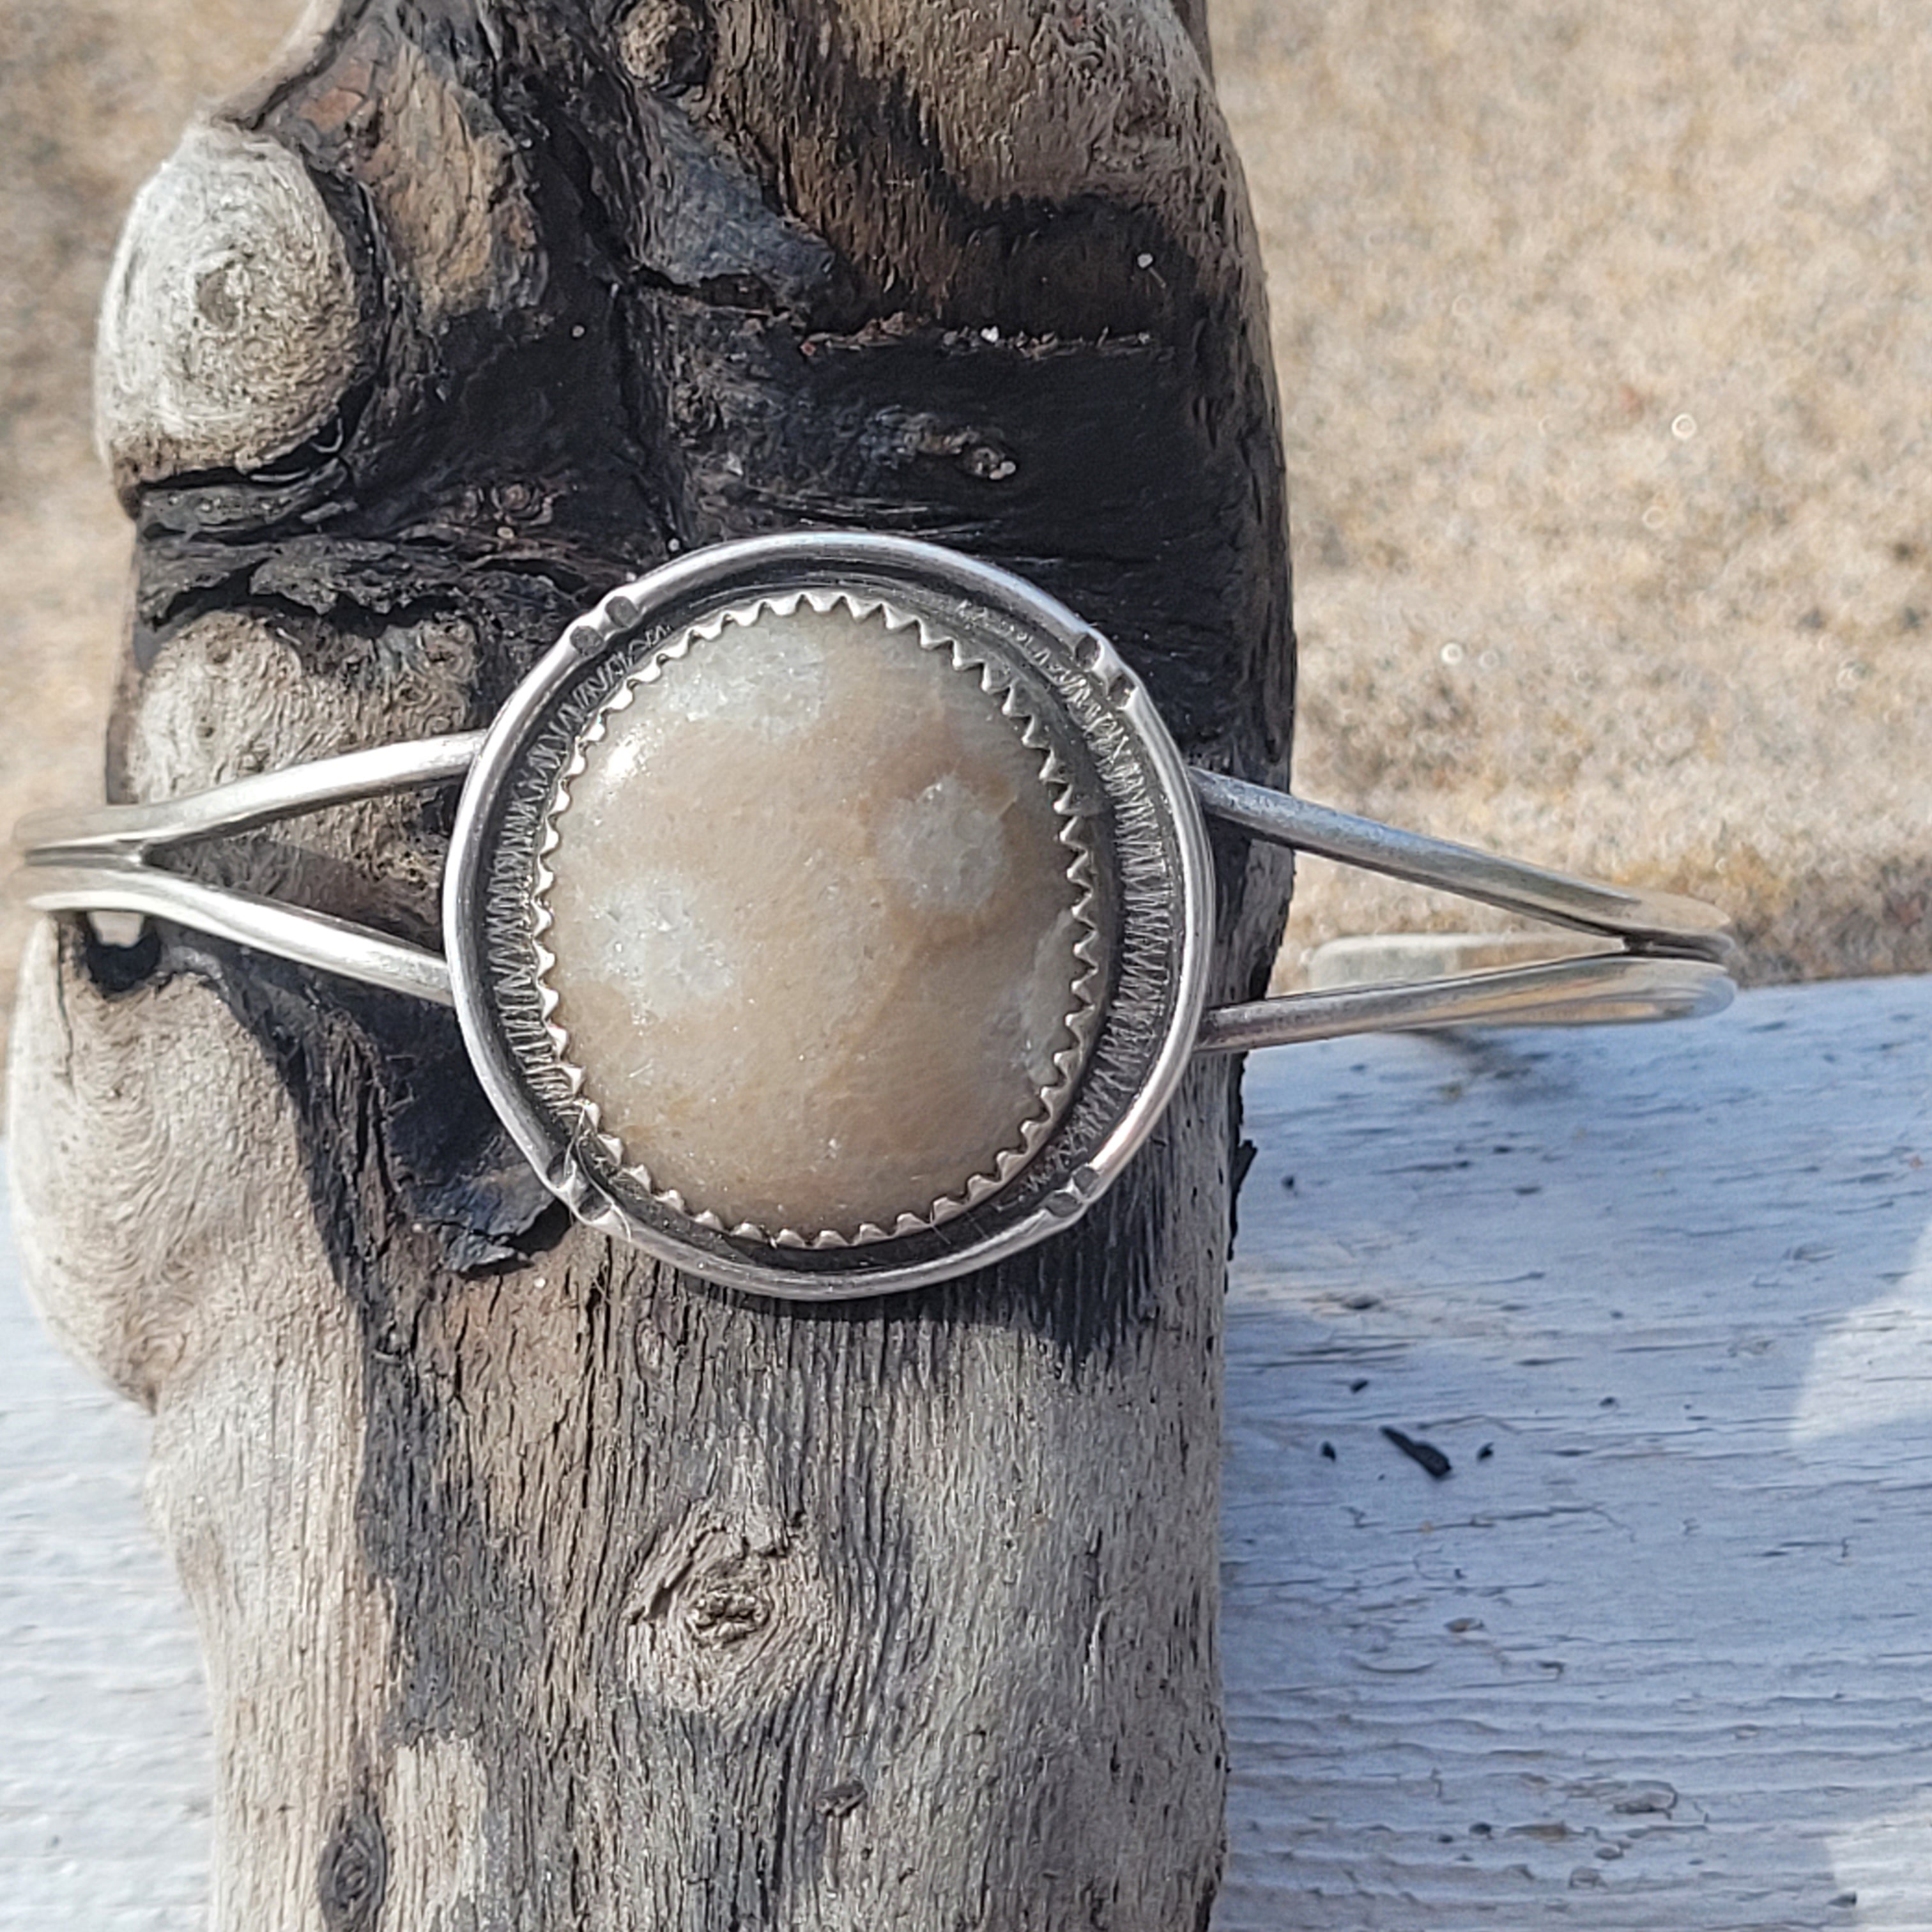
point(1605, 340)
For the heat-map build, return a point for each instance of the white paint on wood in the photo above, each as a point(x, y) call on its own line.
point(1872, 1366)
point(1663, 1658)
point(230, 326)
point(105, 1771)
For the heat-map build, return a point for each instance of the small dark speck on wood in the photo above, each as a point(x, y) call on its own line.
point(842, 1800)
point(1426, 1453)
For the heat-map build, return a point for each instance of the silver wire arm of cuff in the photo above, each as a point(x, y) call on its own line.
point(1668, 964)
point(99, 860)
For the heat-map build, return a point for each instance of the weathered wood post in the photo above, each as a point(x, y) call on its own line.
point(540, 1586)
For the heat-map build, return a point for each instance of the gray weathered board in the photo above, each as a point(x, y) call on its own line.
point(1656, 1653)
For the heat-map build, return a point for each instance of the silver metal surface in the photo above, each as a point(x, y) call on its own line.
point(244, 805)
point(1613, 987)
point(94, 860)
point(308, 938)
point(1154, 876)
point(1685, 926)
point(1161, 879)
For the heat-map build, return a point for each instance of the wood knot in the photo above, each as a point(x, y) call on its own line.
point(725, 1612)
point(353, 1875)
point(231, 326)
point(665, 45)
point(728, 1612)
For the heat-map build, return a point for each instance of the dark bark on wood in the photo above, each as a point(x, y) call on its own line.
point(543, 1588)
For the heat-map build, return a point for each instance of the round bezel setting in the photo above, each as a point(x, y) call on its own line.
point(1138, 860)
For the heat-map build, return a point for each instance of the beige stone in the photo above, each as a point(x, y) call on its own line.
point(813, 918)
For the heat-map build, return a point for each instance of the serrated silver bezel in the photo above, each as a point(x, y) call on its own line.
point(1151, 882)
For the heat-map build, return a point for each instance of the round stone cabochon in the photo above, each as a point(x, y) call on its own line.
point(814, 931)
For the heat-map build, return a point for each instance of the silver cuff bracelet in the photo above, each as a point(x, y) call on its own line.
point(831, 915)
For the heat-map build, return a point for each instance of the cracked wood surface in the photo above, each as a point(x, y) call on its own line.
point(1659, 1660)
point(1656, 1653)
point(541, 1587)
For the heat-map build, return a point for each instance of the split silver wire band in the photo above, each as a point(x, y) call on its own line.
point(99, 860)
point(1108, 760)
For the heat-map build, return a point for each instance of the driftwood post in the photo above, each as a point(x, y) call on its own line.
point(541, 1587)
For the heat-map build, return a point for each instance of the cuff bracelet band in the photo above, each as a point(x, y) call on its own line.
point(831, 914)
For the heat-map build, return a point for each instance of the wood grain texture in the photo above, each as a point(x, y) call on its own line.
point(229, 331)
point(1687, 1630)
point(543, 1588)
point(1657, 1653)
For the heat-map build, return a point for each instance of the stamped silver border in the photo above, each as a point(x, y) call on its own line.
point(1150, 832)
